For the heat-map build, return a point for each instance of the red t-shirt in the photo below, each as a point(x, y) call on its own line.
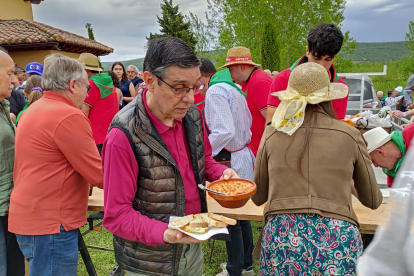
point(257, 90)
point(280, 83)
point(199, 101)
point(408, 134)
point(102, 111)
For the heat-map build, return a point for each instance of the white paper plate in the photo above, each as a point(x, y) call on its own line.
point(201, 237)
point(385, 192)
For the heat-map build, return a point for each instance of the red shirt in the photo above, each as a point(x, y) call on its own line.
point(257, 90)
point(280, 83)
point(56, 160)
point(120, 178)
point(102, 111)
point(199, 101)
point(408, 134)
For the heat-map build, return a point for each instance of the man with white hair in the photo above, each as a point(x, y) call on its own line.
point(140, 75)
point(388, 150)
point(132, 72)
point(56, 161)
point(11, 258)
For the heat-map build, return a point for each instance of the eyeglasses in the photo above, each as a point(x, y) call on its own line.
point(88, 87)
point(182, 91)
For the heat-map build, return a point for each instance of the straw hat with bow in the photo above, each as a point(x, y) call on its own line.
point(239, 55)
point(308, 84)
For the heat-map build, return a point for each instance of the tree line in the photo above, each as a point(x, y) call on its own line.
point(275, 31)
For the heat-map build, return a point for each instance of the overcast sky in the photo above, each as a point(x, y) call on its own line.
point(124, 24)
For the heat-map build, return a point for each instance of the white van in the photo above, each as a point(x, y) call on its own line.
point(360, 85)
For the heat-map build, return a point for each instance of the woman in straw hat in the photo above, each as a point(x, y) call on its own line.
point(305, 167)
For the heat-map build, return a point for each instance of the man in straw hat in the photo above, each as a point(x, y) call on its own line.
point(388, 150)
point(324, 42)
point(101, 104)
point(255, 83)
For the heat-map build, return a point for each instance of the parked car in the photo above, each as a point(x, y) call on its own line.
point(360, 84)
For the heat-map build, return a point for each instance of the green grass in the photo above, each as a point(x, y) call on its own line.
point(378, 51)
point(105, 260)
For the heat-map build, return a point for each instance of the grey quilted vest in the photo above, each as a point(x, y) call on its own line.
point(160, 187)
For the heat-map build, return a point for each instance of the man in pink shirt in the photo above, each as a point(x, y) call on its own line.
point(154, 155)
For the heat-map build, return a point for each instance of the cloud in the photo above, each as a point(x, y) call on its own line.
point(120, 24)
point(124, 24)
point(378, 20)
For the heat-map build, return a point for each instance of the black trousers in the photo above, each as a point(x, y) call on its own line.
point(240, 248)
point(15, 258)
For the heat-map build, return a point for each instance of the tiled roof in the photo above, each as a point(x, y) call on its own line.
point(23, 32)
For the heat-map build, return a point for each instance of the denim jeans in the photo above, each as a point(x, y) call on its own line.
point(50, 255)
point(11, 258)
point(240, 248)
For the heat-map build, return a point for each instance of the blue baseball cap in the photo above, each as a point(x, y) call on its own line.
point(34, 67)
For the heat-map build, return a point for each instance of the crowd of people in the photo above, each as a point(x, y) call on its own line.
point(149, 138)
point(399, 100)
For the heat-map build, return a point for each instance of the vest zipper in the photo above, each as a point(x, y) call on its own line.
point(174, 259)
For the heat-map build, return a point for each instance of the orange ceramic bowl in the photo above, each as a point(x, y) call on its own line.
point(232, 201)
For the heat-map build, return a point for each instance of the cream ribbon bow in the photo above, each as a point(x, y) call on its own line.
point(290, 114)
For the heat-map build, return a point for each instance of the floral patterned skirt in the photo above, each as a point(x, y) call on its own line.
point(309, 244)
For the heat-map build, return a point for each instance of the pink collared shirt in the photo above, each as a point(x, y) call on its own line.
point(120, 181)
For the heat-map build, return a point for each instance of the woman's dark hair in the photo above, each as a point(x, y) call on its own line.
point(115, 79)
point(310, 123)
point(325, 40)
point(166, 51)
point(33, 81)
point(124, 75)
point(390, 92)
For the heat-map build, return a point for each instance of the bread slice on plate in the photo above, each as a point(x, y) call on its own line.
point(198, 223)
point(182, 221)
point(228, 221)
point(197, 230)
point(212, 222)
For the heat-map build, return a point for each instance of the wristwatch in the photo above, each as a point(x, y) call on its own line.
point(404, 115)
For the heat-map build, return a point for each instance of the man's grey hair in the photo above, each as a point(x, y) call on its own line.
point(133, 67)
point(59, 70)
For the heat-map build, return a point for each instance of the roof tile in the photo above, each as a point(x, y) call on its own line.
point(22, 31)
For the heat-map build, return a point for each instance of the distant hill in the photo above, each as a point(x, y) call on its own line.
point(379, 51)
point(137, 62)
point(365, 52)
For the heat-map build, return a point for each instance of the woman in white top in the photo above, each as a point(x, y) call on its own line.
point(392, 101)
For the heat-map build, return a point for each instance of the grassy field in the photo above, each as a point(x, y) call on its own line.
point(105, 260)
point(395, 74)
